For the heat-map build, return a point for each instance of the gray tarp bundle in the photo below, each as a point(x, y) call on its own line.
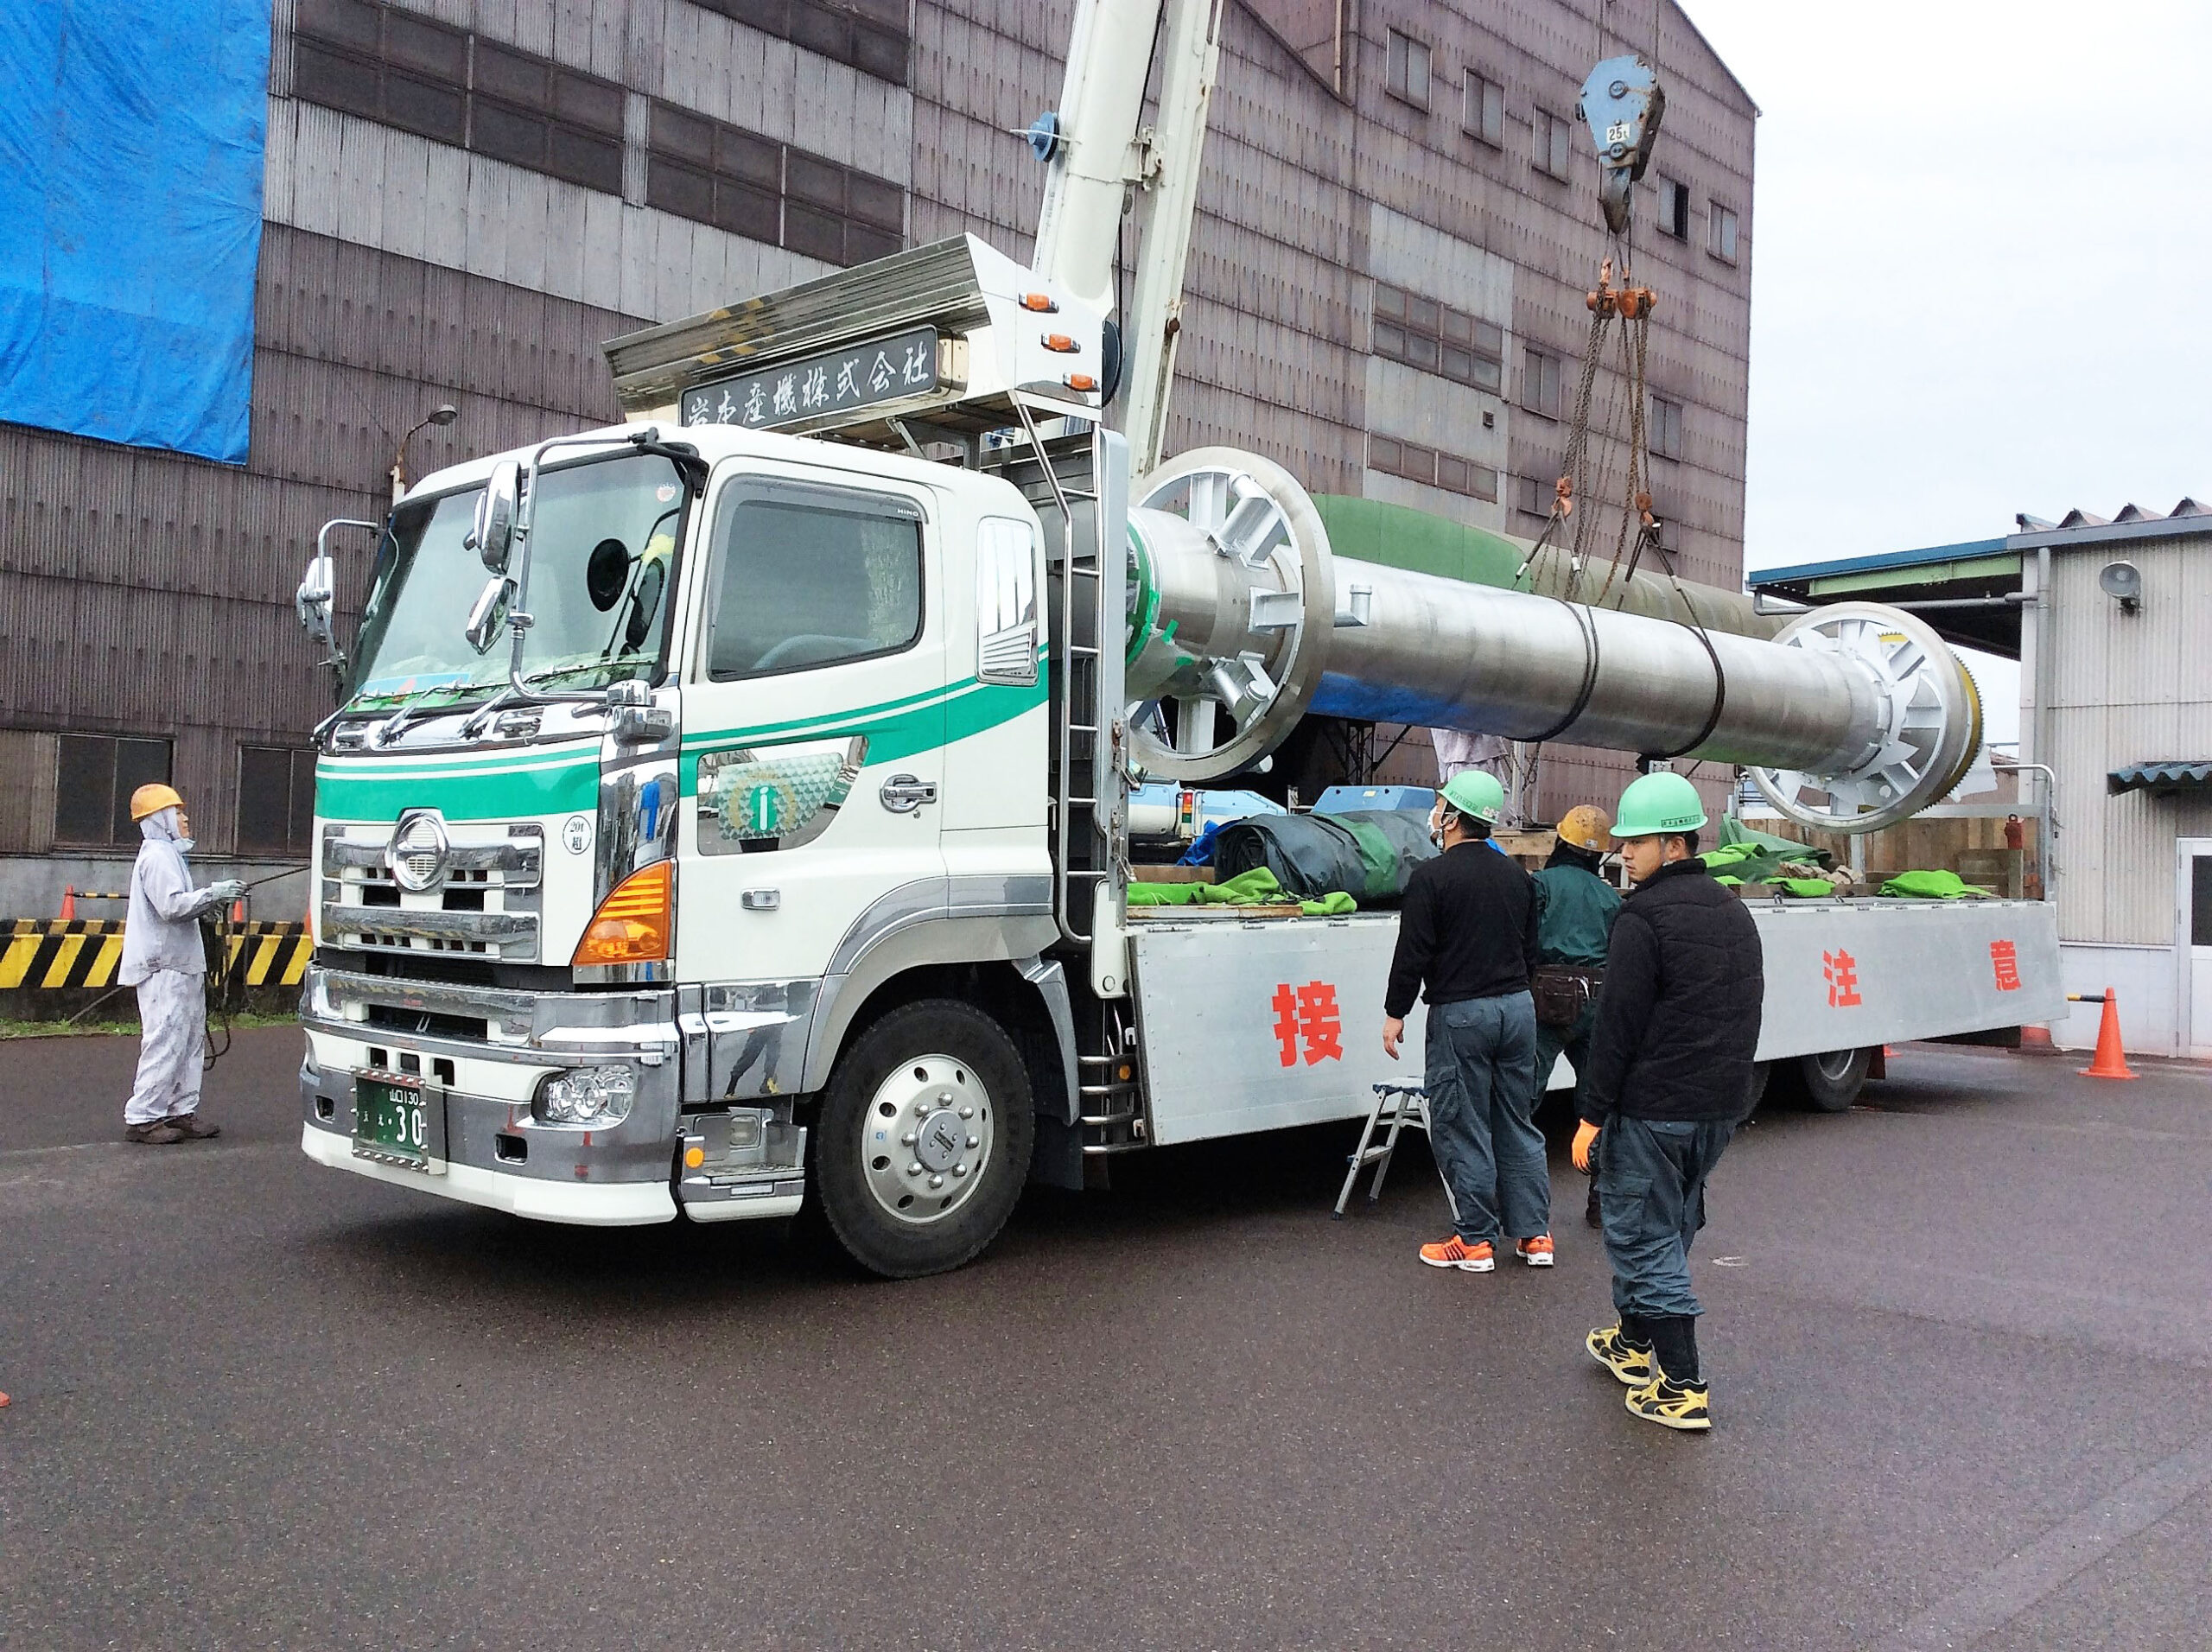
point(1369, 853)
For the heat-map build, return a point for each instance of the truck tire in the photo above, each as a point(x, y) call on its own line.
point(1831, 1081)
point(923, 1142)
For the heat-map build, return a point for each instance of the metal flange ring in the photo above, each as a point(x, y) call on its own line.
point(1931, 733)
point(1231, 612)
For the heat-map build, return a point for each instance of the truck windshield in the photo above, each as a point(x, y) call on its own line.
point(603, 552)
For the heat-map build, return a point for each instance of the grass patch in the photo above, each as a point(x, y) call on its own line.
point(124, 1028)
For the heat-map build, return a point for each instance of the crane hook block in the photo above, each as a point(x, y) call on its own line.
point(1622, 102)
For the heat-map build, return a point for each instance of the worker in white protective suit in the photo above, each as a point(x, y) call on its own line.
point(163, 959)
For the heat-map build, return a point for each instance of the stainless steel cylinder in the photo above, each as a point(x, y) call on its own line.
point(1442, 654)
point(1242, 621)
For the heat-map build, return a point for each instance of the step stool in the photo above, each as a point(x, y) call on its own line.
point(1396, 1106)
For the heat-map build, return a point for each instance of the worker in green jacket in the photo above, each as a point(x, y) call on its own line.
point(1575, 907)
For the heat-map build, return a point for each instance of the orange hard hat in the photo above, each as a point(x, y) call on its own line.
point(1586, 827)
point(152, 798)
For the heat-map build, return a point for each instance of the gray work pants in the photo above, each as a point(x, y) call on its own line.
point(172, 1030)
point(1651, 1193)
point(1482, 1090)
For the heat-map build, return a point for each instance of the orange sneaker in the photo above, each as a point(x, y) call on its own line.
point(1456, 1252)
point(1537, 1252)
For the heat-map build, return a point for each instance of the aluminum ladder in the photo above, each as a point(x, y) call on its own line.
point(1396, 1106)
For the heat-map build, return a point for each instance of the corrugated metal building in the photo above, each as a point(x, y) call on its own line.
point(465, 198)
point(2109, 621)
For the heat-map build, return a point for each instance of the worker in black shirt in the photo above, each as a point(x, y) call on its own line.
point(1671, 1070)
point(1467, 942)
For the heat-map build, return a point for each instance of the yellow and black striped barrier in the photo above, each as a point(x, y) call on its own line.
point(55, 952)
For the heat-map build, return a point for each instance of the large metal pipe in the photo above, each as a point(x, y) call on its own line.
point(1243, 620)
point(1447, 655)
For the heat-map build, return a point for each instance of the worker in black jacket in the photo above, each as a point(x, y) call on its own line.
point(1467, 942)
point(1670, 1069)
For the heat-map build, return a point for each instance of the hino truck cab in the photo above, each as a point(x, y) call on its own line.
point(684, 835)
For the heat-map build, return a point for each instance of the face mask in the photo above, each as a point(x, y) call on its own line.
point(1436, 828)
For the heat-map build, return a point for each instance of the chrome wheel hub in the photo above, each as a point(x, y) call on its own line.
point(926, 1138)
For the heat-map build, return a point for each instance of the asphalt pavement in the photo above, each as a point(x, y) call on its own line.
point(1960, 1341)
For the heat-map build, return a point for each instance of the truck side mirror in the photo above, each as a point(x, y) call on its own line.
point(487, 617)
point(313, 601)
point(494, 530)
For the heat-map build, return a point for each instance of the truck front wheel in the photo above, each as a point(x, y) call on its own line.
point(924, 1138)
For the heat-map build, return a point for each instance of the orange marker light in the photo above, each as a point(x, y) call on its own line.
point(1061, 342)
point(1080, 381)
point(1042, 302)
point(693, 1157)
point(636, 924)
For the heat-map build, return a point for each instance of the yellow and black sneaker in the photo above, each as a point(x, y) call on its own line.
point(1686, 1406)
point(1621, 1357)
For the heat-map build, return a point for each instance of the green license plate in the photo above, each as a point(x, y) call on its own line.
point(388, 1123)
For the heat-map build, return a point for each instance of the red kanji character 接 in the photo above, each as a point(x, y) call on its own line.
point(1286, 1007)
point(1319, 1024)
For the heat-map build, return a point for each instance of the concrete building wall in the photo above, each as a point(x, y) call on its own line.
point(149, 594)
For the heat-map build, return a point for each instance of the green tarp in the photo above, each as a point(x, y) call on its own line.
point(1257, 887)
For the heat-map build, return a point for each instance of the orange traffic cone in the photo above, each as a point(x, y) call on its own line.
point(237, 910)
point(2110, 1062)
point(68, 902)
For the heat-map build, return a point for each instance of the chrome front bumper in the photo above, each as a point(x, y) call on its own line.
point(481, 1053)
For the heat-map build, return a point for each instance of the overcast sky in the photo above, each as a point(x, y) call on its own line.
point(1981, 276)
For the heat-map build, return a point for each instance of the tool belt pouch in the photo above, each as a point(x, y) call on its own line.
point(1560, 994)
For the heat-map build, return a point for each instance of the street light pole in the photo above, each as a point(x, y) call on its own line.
point(444, 413)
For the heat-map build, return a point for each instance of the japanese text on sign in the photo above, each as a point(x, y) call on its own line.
point(1840, 970)
point(2005, 961)
point(880, 370)
point(1307, 1017)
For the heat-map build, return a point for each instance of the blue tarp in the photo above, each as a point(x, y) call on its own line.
point(131, 135)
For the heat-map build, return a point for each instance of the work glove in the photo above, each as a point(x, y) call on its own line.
point(225, 889)
point(1586, 1137)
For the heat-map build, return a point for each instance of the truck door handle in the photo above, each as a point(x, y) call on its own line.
point(903, 794)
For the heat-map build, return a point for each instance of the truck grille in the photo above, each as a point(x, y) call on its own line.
point(486, 906)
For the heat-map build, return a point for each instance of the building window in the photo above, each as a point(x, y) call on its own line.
point(275, 800)
point(751, 185)
point(1664, 429)
point(1552, 151)
point(869, 35)
point(1425, 465)
point(444, 84)
point(1540, 382)
point(1674, 209)
point(1721, 233)
point(1534, 495)
point(96, 775)
point(1438, 338)
point(1408, 65)
point(1485, 117)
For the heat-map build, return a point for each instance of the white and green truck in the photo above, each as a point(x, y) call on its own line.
point(728, 809)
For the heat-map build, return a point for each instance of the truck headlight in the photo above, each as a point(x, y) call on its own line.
point(586, 1095)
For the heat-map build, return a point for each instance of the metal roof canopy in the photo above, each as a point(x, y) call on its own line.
point(2168, 776)
point(1976, 573)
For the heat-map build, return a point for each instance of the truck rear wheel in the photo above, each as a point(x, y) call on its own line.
point(924, 1138)
point(1831, 1081)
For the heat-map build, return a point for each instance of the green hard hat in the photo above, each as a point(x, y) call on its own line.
point(1658, 802)
point(1476, 794)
